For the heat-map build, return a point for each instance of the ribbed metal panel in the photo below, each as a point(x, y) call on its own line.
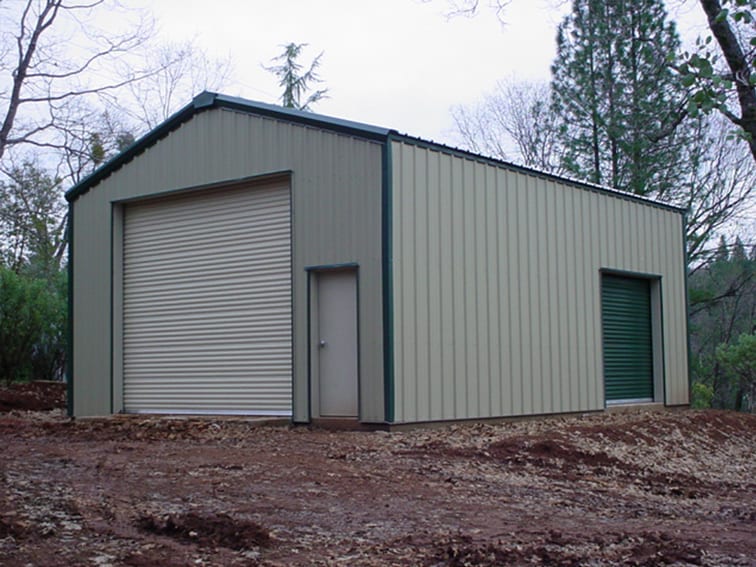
point(335, 191)
point(207, 319)
point(628, 352)
point(497, 288)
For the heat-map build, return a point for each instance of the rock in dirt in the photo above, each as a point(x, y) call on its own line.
point(212, 530)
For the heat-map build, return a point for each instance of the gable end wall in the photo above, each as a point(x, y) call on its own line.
point(336, 191)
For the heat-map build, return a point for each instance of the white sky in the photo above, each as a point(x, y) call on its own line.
point(395, 63)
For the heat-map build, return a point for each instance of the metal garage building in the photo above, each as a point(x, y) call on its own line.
point(248, 259)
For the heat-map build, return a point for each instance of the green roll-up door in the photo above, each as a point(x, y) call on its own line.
point(628, 352)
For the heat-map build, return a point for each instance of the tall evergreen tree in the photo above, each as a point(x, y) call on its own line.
point(617, 100)
point(294, 82)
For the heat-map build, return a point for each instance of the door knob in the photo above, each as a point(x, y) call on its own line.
point(322, 343)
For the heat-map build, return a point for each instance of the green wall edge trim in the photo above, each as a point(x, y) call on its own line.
point(387, 273)
point(686, 271)
point(69, 322)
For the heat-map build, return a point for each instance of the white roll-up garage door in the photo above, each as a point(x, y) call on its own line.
point(207, 321)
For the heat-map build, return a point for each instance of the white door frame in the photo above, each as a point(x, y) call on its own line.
point(313, 355)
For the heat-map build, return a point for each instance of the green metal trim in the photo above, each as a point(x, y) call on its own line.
point(627, 338)
point(292, 290)
point(659, 280)
point(207, 100)
point(112, 346)
point(387, 279)
point(357, 309)
point(309, 349)
point(332, 267)
point(139, 146)
point(69, 323)
point(311, 272)
point(529, 171)
point(660, 283)
point(231, 183)
point(686, 271)
point(629, 274)
point(300, 117)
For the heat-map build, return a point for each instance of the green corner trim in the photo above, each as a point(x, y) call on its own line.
point(69, 322)
point(687, 309)
point(388, 296)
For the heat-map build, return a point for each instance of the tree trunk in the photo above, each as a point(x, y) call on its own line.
point(738, 64)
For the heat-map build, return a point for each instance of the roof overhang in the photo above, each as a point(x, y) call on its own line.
point(209, 100)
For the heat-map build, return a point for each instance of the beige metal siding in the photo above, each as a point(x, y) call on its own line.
point(207, 303)
point(496, 274)
point(336, 191)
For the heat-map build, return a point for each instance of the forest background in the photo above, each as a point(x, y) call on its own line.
point(628, 105)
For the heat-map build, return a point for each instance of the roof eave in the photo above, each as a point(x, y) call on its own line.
point(537, 172)
point(207, 100)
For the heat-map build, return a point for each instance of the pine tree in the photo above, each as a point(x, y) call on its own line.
point(295, 83)
point(723, 252)
point(615, 95)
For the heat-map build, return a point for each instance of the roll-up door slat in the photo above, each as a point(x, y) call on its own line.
point(628, 352)
point(207, 322)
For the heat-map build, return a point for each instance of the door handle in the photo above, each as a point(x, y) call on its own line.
point(322, 343)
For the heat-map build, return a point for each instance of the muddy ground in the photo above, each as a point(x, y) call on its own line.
point(637, 488)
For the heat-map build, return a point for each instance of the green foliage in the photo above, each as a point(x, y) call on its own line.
point(96, 149)
point(296, 83)
point(738, 362)
point(701, 395)
point(32, 327)
point(32, 225)
point(723, 307)
point(617, 100)
point(721, 75)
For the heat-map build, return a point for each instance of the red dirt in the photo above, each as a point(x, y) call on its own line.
point(33, 396)
point(211, 530)
point(656, 488)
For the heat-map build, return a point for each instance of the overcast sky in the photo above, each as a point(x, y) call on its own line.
point(395, 63)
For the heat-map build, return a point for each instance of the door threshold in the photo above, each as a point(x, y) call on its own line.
point(343, 424)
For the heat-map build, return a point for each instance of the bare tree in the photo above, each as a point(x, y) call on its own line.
point(471, 7)
point(89, 136)
point(183, 70)
point(514, 122)
point(733, 26)
point(42, 77)
point(719, 188)
point(67, 106)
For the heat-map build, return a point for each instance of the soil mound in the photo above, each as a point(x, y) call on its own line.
point(214, 530)
point(33, 396)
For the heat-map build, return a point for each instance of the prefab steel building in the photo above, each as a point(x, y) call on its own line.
point(243, 258)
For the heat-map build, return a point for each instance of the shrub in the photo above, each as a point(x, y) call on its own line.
point(32, 327)
point(701, 395)
point(738, 362)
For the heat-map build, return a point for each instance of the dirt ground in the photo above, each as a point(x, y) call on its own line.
point(636, 488)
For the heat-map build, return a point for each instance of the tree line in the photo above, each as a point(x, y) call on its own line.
point(64, 113)
point(627, 107)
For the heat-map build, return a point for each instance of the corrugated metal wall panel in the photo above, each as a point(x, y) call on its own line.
point(336, 190)
point(207, 321)
point(517, 267)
